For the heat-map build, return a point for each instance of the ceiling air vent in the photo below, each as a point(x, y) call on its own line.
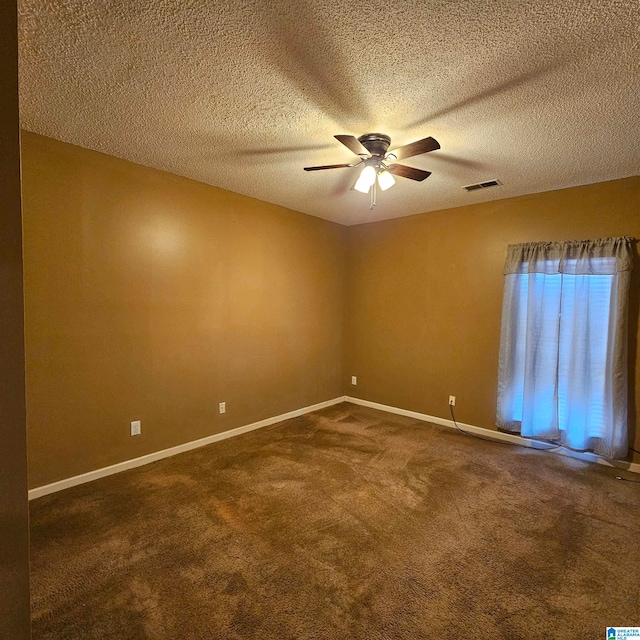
point(482, 185)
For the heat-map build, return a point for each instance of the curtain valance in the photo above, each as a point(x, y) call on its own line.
point(605, 256)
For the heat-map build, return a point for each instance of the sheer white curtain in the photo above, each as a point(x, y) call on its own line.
point(563, 350)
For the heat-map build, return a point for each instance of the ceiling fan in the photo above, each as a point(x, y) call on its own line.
point(380, 163)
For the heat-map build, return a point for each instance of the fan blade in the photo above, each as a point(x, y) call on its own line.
point(408, 172)
point(353, 144)
point(415, 148)
point(329, 166)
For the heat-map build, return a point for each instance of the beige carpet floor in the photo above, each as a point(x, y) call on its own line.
point(347, 523)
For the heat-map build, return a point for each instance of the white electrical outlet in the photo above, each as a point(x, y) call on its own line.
point(452, 401)
point(354, 380)
point(222, 407)
point(136, 428)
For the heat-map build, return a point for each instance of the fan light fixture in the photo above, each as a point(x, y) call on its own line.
point(372, 151)
point(368, 177)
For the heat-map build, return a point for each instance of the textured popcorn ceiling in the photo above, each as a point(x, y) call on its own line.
point(242, 94)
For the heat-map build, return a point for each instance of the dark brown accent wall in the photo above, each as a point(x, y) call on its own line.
point(14, 515)
point(152, 297)
point(425, 296)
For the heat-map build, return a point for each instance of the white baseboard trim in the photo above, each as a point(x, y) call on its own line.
point(38, 492)
point(634, 467)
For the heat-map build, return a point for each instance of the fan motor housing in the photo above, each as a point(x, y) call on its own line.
point(375, 143)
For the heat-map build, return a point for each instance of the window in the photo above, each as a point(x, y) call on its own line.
point(563, 366)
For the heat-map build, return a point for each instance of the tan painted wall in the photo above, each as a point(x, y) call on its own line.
point(425, 295)
point(153, 297)
point(14, 513)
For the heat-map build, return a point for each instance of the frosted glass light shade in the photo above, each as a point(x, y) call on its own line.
point(366, 179)
point(385, 180)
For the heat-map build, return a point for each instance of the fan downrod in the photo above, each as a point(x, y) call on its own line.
point(375, 143)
